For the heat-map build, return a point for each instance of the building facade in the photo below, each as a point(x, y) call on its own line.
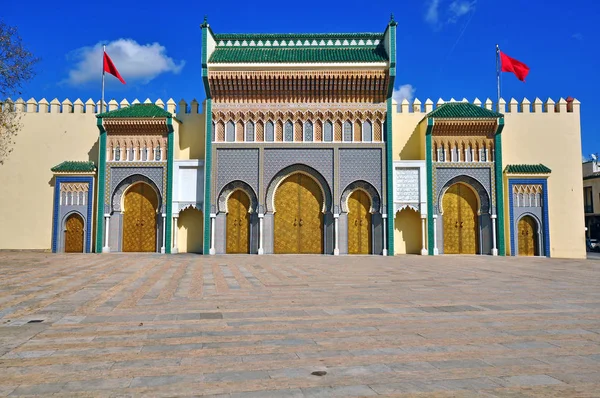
point(299, 147)
point(591, 197)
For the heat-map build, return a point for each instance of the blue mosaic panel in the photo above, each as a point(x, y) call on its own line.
point(347, 131)
point(250, 132)
point(288, 131)
point(230, 132)
point(308, 131)
point(361, 164)
point(328, 131)
point(367, 131)
point(269, 132)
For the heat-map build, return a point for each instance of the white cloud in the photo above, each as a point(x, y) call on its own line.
point(134, 61)
point(432, 15)
point(459, 8)
point(406, 91)
point(440, 13)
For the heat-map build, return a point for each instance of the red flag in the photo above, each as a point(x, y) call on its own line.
point(512, 65)
point(110, 68)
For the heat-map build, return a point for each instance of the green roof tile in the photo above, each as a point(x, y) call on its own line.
point(70, 166)
point(136, 111)
point(462, 110)
point(298, 36)
point(297, 54)
point(527, 169)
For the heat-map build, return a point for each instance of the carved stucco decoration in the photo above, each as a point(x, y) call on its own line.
point(365, 187)
point(298, 168)
point(408, 189)
point(234, 186)
point(126, 183)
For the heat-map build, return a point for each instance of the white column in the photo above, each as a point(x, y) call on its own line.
point(106, 248)
point(385, 252)
point(175, 249)
point(336, 249)
point(261, 250)
point(212, 233)
point(164, 218)
point(435, 248)
point(494, 249)
point(423, 236)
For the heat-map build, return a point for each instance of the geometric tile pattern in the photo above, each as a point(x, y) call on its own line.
point(236, 164)
point(360, 164)
point(154, 171)
point(248, 326)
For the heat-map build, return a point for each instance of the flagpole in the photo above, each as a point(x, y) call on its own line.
point(102, 100)
point(498, 75)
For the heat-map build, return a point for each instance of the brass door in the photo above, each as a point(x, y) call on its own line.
point(238, 223)
point(139, 219)
point(527, 237)
point(359, 223)
point(460, 220)
point(298, 217)
point(74, 234)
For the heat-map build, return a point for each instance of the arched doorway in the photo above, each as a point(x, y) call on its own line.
point(74, 234)
point(528, 237)
point(298, 216)
point(407, 235)
point(139, 219)
point(238, 222)
point(359, 223)
point(190, 230)
point(460, 220)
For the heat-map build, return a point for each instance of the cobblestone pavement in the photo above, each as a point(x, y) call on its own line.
point(258, 326)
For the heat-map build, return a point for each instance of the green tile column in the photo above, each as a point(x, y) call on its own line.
point(429, 167)
point(389, 155)
point(101, 186)
point(499, 188)
point(169, 195)
point(208, 138)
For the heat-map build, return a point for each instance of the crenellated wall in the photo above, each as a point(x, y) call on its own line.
point(53, 132)
point(546, 132)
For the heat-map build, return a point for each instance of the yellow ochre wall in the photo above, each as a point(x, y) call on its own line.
point(51, 134)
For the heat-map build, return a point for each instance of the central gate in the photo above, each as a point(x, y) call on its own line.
point(460, 220)
point(139, 219)
point(298, 216)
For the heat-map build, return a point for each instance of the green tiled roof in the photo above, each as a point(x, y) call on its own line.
point(74, 167)
point(136, 111)
point(462, 110)
point(527, 169)
point(298, 36)
point(298, 54)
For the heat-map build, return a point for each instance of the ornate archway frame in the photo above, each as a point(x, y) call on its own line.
point(118, 196)
point(483, 199)
point(229, 189)
point(63, 229)
point(366, 188)
point(302, 169)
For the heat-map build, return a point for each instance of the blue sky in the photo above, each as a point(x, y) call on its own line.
point(446, 48)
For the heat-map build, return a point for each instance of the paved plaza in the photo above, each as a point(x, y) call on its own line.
point(259, 326)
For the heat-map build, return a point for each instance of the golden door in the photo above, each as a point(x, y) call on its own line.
point(139, 219)
point(527, 237)
point(298, 217)
point(460, 220)
point(74, 234)
point(238, 223)
point(359, 223)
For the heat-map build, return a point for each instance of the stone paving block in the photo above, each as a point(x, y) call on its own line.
point(97, 384)
point(172, 347)
point(156, 381)
point(286, 393)
point(529, 380)
point(236, 376)
point(38, 389)
point(344, 391)
point(459, 363)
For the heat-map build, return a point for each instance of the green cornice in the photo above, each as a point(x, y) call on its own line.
point(499, 188)
point(462, 110)
point(136, 111)
point(429, 166)
point(204, 61)
point(297, 36)
point(101, 186)
point(74, 167)
point(527, 169)
point(170, 157)
point(298, 55)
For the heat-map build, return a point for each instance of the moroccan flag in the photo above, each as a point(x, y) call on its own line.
point(512, 65)
point(110, 68)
